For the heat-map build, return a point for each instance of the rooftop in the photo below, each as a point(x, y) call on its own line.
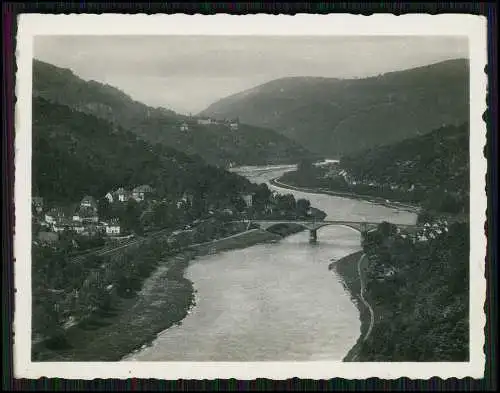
point(88, 199)
point(143, 188)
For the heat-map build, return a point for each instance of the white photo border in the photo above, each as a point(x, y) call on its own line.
point(31, 25)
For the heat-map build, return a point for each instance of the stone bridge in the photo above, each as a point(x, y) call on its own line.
point(313, 226)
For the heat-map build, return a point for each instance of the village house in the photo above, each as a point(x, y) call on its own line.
point(37, 203)
point(184, 127)
point(385, 273)
point(206, 121)
point(113, 228)
point(248, 198)
point(54, 215)
point(77, 227)
point(109, 197)
point(185, 200)
point(88, 215)
point(76, 216)
point(61, 225)
point(122, 195)
point(141, 192)
point(233, 126)
point(89, 202)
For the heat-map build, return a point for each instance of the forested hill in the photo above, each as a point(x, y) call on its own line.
point(76, 154)
point(433, 165)
point(217, 144)
point(335, 117)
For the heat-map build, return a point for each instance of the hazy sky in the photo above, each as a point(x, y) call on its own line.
point(188, 73)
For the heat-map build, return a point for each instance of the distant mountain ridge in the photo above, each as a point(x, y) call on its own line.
point(217, 144)
point(334, 117)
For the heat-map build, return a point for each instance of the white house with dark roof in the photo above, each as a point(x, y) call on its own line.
point(113, 228)
point(109, 197)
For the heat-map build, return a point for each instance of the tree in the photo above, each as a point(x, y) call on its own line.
point(303, 206)
point(387, 229)
point(261, 195)
point(130, 218)
point(305, 165)
point(238, 203)
point(286, 203)
point(104, 209)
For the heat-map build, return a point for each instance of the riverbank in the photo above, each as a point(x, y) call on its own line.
point(375, 200)
point(164, 300)
point(412, 297)
point(347, 269)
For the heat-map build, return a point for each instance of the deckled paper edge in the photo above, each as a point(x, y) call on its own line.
point(30, 25)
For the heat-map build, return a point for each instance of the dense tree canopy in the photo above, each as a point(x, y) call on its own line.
point(76, 154)
point(217, 144)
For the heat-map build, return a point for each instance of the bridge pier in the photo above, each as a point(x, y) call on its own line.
point(313, 236)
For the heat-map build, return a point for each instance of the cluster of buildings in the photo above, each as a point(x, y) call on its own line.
point(354, 181)
point(233, 125)
point(82, 219)
point(428, 232)
point(138, 194)
point(431, 231)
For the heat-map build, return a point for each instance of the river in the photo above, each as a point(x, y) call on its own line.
point(274, 301)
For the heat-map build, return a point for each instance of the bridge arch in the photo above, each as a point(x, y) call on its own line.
point(313, 227)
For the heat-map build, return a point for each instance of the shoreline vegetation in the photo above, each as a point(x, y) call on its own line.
point(416, 291)
point(369, 198)
point(164, 300)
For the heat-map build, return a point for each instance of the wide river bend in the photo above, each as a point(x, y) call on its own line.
point(274, 301)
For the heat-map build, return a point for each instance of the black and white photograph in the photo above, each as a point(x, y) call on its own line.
point(250, 200)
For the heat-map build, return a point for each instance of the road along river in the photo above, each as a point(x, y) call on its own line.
point(273, 301)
